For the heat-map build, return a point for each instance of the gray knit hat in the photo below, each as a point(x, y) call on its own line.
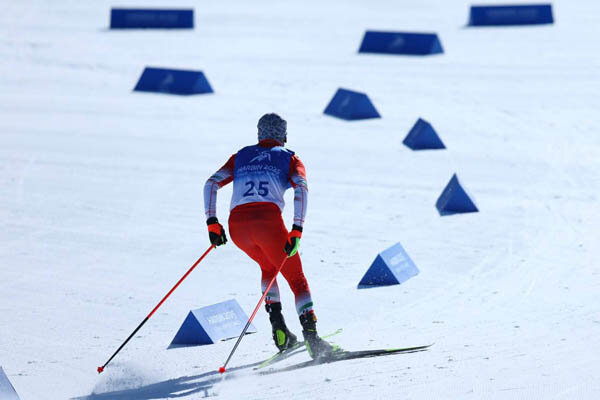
point(272, 126)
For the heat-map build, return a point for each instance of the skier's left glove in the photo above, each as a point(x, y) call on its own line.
point(293, 241)
point(216, 232)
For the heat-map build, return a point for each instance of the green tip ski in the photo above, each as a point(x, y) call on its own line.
point(295, 349)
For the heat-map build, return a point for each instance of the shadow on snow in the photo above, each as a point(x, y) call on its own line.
point(172, 388)
point(188, 385)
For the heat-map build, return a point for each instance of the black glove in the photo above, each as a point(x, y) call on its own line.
point(216, 233)
point(293, 241)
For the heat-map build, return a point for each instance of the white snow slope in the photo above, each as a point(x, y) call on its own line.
point(101, 199)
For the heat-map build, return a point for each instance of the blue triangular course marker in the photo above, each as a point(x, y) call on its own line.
point(191, 332)
point(350, 105)
point(422, 136)
point(173, 81)
point(503, 15)
point(391, 267)
point(7, 391)
point(208, 325)
point(454, 199)
point(401, 43)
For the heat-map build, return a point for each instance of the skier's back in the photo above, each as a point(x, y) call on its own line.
point(261, 173)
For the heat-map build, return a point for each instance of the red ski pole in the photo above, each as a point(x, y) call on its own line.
point(222, 369)
point(100, 369)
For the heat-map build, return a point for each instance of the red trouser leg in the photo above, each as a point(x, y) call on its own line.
point(259, 231)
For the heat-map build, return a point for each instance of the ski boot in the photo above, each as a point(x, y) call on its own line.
point(284, 339)
point(318, 349)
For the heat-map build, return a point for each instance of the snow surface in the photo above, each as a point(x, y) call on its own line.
point(101, 199)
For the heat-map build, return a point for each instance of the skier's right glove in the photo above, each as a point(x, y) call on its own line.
point(216, 233)
point(293, 241)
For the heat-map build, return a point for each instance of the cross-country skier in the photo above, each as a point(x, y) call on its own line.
point(261, 173)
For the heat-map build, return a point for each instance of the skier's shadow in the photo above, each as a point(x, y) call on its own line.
point(172, 388)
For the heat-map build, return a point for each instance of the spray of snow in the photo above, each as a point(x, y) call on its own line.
point(124, 376)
